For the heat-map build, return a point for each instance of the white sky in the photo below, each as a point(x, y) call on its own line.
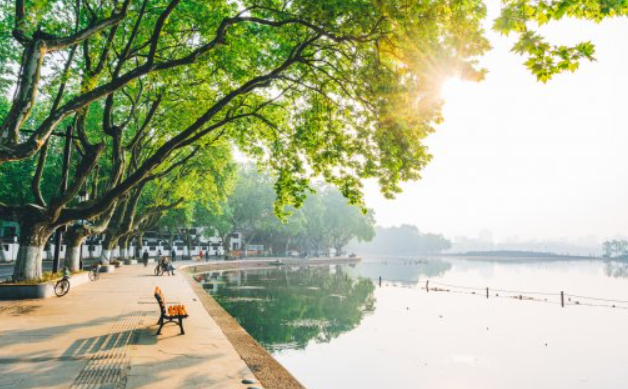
point(525, 159)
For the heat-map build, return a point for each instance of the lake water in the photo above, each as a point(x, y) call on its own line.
point(334, 327)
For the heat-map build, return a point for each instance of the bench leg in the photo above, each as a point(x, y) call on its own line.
point(161, 323)
point(181, 325)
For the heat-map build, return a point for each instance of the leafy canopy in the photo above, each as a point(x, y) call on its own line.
point(544, 59)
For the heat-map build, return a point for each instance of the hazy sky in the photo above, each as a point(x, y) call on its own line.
point(522, 158)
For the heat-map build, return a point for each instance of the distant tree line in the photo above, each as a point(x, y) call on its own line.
point(402, 240)
point(615, 248)
point(324, 220)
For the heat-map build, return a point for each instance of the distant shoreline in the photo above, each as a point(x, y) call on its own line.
point(491, 255)
point(518, 255)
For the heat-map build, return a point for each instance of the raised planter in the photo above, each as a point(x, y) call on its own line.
point(107, 268)
point(130, 261)
point(151, 260)
point(79, 279)
point(38, 291)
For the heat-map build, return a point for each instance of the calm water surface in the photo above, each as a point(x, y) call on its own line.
point(333, 327)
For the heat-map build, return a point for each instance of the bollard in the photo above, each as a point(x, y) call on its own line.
point(486, 292)
point(427, 286)
point(562, 299)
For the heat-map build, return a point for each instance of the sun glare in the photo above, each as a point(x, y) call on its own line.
point(453, 88)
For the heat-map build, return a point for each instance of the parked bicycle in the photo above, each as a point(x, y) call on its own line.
point(62, 287)
point(94, 272)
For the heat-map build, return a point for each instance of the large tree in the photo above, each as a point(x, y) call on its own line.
point(333, 89)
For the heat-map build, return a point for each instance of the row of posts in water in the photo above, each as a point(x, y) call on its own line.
point(427, 289)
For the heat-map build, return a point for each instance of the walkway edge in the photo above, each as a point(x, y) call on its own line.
point(270, 373)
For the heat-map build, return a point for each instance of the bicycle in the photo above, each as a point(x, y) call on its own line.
point(159, 270)
point(94, 272)
point(62, 287)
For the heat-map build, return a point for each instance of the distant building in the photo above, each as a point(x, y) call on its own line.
point(152, 241)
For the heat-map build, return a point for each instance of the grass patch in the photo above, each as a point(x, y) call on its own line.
point(47, 276)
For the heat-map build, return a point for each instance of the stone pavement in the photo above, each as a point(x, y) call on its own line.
point(101, 335)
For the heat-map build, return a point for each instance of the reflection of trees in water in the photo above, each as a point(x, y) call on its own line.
point(616, 269)
point(288, 307)
point(409, 270)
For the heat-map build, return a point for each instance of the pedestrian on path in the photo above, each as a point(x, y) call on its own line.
point(200, 255)
point(145, 258)
point(207, 255)
point(174, 255)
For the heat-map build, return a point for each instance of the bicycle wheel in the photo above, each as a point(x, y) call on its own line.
point(62, 287)
point(158, 271)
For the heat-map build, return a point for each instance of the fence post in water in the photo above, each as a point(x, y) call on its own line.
point(562, 299)
point(380, 280)
point(427, 286)
point(486, 292)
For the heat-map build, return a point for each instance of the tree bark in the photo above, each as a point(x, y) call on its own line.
point(33, 237)
point(27, 92)
point(75, 241)
point(188, 243)
point(226, 244)
point(109, 244)
point(2, 257)
point(124, 248)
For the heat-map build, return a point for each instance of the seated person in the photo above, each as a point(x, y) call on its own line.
point(166, 266)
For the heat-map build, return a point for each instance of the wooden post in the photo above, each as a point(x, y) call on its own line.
point(380, 280)
point(562, 299)
point(486, 292)
point(427, 286)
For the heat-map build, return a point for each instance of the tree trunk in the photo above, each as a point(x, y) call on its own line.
point(188, 242)
point(2, 257)
point(75, 243)
point(124, 248)
point(226, 244)
point(139, 246)
point(33, 237)
point(108, 246)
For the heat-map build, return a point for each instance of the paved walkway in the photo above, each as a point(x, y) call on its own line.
point(101, 336)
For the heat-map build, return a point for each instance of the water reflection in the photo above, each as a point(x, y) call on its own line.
point(401, 269)
point(286, 308)
point(616, 269)
point(437, 340)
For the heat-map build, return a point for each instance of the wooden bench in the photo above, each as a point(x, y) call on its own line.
point(170, 313)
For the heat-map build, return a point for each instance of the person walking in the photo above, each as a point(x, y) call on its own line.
point(207, 255)
point(145, 258)
point(174, 255)
point(200, 255)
